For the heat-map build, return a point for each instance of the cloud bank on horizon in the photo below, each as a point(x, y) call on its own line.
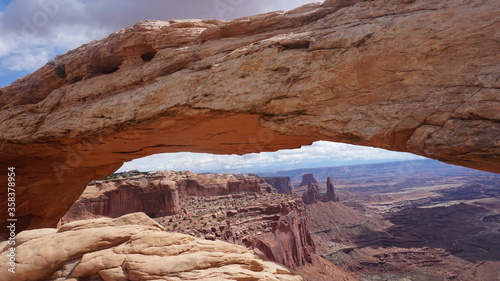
point(34, 31)
point(319, 154)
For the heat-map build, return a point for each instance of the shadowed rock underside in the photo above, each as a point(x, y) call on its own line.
point(416, 76)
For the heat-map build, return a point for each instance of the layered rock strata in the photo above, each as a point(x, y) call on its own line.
point(376, 73)
point(156, 195)
point(213, 184)
point(274, 225)
point(282, 184)
point(132, 247)
point(312, 193)
point(286, 238)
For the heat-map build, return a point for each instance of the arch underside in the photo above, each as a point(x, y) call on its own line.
point(363, 74)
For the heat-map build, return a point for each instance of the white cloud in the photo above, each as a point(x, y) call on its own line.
point(56, 26)
point(33, 31)
point(319, 154)
point(26, 59)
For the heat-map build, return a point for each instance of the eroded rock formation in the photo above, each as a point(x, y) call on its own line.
point(287, 239)
point(272, 224)
point(307, 179)
point(282, 184)
point(312, 193)
point(156, 195)
point(330, 191)
point(212, 184)
point(132, 247)
point(377, 73)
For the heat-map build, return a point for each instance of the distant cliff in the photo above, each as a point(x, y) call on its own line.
point(282, 184)
point(312, 194)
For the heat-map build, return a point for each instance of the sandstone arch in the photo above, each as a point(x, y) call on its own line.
point(420, 76)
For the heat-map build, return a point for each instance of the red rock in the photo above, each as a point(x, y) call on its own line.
point(312, 195)
point(281, 184)
point(155, 196)
point(376, 73)
point(289, 242)
point(330, 191)
point(308, 178)
point(212, 184)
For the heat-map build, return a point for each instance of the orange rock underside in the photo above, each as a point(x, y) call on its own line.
point(420, 77)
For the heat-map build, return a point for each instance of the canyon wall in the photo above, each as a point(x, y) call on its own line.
point(286, 238)
point(282, 184)
point(415, 76)
point(212, 184)
point(156, 195)
point(132, 247)
point(272, 224)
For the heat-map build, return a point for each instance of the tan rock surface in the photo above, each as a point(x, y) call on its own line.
point(212, 184)
point(417, 76)
point(133, 247)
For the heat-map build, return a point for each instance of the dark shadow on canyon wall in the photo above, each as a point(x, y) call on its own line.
point(466, 231)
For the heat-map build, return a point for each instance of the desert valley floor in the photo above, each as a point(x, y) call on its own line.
point(411, 220)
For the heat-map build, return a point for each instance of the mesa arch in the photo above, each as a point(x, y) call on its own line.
point(420, 77)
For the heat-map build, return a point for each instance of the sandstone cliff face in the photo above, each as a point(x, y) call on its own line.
point(274, 225)
point(132, 247)
point(286, 240)
point(311, 195)
point(155, 196)
point(212, 184)
point(282, 184)
point(307, 179)
point(377, 73)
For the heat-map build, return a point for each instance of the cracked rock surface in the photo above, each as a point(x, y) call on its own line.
point(415, 76)
point(132, 247)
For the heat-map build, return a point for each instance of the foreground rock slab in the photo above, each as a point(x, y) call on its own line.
point(132, 247)
point(414, 76)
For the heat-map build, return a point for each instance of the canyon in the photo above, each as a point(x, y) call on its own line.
point(239, 209)
point(408, 220)
point(412, 76)
point(376, 73)
point(419, 220)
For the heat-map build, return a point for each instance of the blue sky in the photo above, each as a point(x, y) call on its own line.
point(319, 154)
point(34, 31)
